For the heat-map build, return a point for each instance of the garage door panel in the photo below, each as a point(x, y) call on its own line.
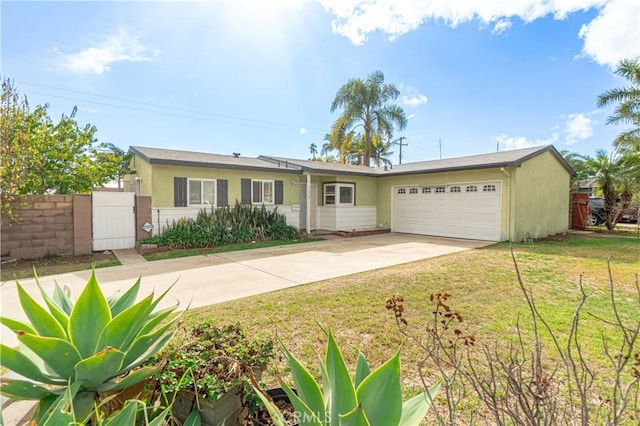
point(460, 214)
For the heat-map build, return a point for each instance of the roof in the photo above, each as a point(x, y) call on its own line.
point(324, 166)
point(202, 159)
point(513, 158)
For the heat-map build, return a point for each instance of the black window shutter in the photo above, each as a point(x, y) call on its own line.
point(279, 192)
point(179, 192)
point(245, 191)
point(222, 195)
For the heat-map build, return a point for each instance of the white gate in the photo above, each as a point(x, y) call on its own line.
point(113, 220)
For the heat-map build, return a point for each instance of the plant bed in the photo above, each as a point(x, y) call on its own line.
point(208, 368)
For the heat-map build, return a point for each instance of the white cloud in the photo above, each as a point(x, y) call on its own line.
point(117, 48)
point(411, 116)
point(507, 143)
point(302, 130)
point(578, 127)
point(610, 36)
point(614, 34)
point(501, 26)
point(412, 97)
point(414, 100)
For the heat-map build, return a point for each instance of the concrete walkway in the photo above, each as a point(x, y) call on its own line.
point(128, 256)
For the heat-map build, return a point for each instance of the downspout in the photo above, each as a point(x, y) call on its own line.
point(509, 202)
point(308, 218)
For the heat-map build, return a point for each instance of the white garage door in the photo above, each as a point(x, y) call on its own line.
point(469, 210)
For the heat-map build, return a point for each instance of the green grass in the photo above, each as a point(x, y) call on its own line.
point(177, 253)
point(485, 292)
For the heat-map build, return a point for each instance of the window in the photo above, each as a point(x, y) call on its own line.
point(489, 188)
point(413, 191)
point(426, 190)
point(440, 189)
point(339, 194)
point(454, 189)
point(262, 191)
point(202, 192)
point(471, 188)
point(402, 191)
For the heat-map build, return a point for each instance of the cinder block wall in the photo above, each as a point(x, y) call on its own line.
point(46, 227)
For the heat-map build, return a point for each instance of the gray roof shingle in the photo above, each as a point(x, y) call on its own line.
point(202, 159)
point(512, 158)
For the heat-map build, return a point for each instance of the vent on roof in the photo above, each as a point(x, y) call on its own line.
point(236, 154)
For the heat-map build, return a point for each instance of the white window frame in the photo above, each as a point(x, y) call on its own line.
point(336, 194)
point(262, 183)
point(215, 192)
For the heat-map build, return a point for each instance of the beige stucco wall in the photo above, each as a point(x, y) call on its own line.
point(535, 196)
point(142, 177)
point(366, 187)
point(465, 176)
point(161, 190)
point(541, 198)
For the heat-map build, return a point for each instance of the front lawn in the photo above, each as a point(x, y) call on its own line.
point(484, 291)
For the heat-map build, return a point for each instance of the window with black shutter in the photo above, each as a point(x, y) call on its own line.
point(279, 192)
point(180, 195)
point(245, 191)
point(223, 193)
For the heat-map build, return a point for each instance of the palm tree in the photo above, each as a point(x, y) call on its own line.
point(313, 148)
point(577, 163)
point(381, 151)
point(627, 98)
point(124, 160)
point(369, 104)
point(611, 176)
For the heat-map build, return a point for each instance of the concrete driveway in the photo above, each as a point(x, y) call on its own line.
point(205, 280)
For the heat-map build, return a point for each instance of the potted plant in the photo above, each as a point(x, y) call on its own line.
point(208, 368)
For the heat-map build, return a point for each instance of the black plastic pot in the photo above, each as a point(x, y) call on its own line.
point(278, 395)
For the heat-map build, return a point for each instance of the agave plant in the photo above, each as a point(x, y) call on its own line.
point(94, 344)
point(133, 412)
point(370, 398)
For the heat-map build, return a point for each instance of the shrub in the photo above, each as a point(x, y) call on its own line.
point(225, 225)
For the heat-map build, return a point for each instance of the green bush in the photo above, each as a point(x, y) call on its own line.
point(222, 226)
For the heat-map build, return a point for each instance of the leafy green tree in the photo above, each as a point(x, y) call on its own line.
point(39, 156)
point(627, 100)
point(369, 104)
point(16, 151)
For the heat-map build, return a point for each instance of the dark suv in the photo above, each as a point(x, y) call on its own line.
point(596, 215)
point(596, 211)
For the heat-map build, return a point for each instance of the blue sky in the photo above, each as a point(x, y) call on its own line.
point(258, 77)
